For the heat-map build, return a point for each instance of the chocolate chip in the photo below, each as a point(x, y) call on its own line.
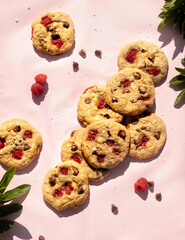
point(143, 50)
point(137, 75)
point(75, 171)
point(151, 185)
point(95, 152)
point(52, 181)
point(114, 100)
point(114, 209)
point(157, 135)
point(80, 190)
point(72, 133)
point(142, 90)
point(82, 53)
point(41, 237)
point(55, 36)
point(75, 65)
point(26, 147)
point(2, 140)
point(42, 40)
point(66, 25)
point(158, 196)
point(133, 100)
point(98, 53)
point(17, 128)
point(109, 134)
point(87, 100)
point(134, 121)
point(107, 116)
point(74, 148)
point(122, 134)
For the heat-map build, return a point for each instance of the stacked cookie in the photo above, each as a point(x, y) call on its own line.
point(115, 124)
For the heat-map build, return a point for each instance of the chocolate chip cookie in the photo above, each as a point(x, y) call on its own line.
point(53, 33)
point(148, 135)
point(20, 143)
point(65, 185)
point(92, 106)
point(105, 143)
point(130, 91)
point(72, 150)
point(146, 56)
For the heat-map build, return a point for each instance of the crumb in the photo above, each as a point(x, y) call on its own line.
point(151, 185)
point(16, 20)
point(158, 196)
point(29, 8)
point(114, 209)
point(82, 53)
point(75, 65)
point(94, 15)
point(98, 53)
point(41, 237)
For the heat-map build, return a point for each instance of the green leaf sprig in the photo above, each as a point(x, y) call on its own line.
point(173, 11)
point(179, 79)
point(7, 196)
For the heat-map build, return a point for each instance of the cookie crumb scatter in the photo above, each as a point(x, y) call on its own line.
point(16, 20)
point(114, 209)
point(75, 66)
point(158, 196)
point(151, 185)
point(41, 237)
point(98, 53)
point(82, 53)
point(29, 8)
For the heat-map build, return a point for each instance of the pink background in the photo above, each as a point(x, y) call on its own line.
point(108, 26)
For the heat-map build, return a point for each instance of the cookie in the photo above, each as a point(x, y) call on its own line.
point(146, 56)
point(72, 150)
point(148, 135)
point(65, 186)
point(53, 33)
point(130, 91)
point(105, 143)
point(20, 143)
point(93, 107)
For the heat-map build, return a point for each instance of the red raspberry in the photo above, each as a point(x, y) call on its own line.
point(144, 141)
point(1, 145)
point(18, 154)
point(37, 89)
point(125, 83)
point(28, 134)
point(141, 185)
point(88, 89)
point(116, 151)
point(58, 43)
point(100, 159)
point(46, 21)
point(64, 170)
point(132, 55)
point(68, 189)
point(58, 193)
point(92, 135)
point(76, 157)
point(110, 143)
point(41, 78)
point(153, 71)
point(101, 103)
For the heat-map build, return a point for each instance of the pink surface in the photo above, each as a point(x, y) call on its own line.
point(105, 25)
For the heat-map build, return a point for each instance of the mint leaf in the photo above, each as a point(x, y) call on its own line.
point(14, 193)
point(6, 179)
point(5, 225)
point(180, 97)
point(9, 209)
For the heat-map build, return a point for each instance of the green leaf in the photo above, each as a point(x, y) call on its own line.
point(165, 21)
point(5, 225)
point(179, 97)
point(6, 179)
point(14, 193)
point(181, 70)
point(9, 209)
point(177, 80)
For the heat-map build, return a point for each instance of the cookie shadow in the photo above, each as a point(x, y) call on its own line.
point(51, 58)
point(167, 35)
point(115, 172)
point(152, 109)
point(17, 231)
point(38, 99)
point(142, 195)
point(70, 211)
